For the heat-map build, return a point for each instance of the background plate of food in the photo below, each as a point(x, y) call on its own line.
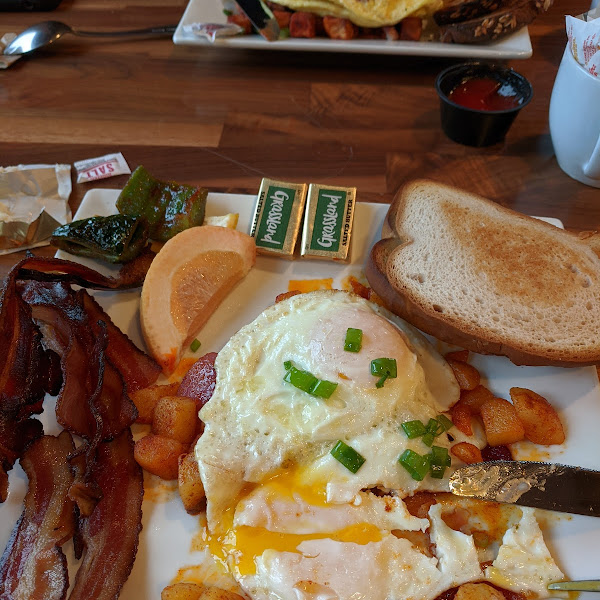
point(476, 30)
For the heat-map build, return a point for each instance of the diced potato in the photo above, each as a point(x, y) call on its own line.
point(475, 398)
point(191, 489)
point(540, 419)
point(183, 591)
point(418, 504)
point(159, 455)
point(461, 418)
point(467, 375)
point(466, 452)
point(145, 399)
point(175, 417)
point(215, 593)
point(501, 423)
point(459, 355)
point(478, 591)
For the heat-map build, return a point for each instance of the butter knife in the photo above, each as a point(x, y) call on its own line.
point(537, 484)
point(261, 17)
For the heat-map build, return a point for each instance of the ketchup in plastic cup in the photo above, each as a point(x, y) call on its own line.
point(479, 102)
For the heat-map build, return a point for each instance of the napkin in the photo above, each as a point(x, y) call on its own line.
point(583, 33)
point(6, 61)
point(33, 203)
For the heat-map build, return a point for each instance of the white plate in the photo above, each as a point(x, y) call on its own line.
point(168, 531)
point(517, 45)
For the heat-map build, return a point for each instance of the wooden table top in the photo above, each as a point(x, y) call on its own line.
point(225, 118)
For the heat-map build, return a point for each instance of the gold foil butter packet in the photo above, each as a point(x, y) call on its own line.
point(277, 217)
point(328, 222)
point(33, 202)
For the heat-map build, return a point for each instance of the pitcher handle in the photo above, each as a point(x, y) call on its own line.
point(592, 166)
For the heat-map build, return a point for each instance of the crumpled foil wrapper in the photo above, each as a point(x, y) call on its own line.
point(6, 61)
point(34, 201)
point(583, 33)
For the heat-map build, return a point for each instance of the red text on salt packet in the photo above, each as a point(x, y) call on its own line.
point(584, 40)
point(102, 167)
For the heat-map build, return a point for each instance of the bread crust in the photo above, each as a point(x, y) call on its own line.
point(403, 303)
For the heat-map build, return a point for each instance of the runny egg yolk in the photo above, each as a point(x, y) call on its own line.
point(379, 339)
point(239, 546)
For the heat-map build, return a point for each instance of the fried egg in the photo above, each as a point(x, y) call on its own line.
point(284, 516)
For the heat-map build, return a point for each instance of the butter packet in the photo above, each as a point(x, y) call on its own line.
point(328, 222)
point(277, 217)
point(33, 202)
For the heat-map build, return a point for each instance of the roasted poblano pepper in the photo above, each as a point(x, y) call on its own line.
point(116, 239)
point(169, 207)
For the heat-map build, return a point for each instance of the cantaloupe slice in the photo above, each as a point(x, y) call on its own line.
point(188, 279)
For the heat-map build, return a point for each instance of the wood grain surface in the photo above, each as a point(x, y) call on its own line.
point(225, 117)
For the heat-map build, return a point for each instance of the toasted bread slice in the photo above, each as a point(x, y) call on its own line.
point(486, 278)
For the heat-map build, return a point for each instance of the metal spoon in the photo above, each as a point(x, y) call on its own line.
point(43, 34)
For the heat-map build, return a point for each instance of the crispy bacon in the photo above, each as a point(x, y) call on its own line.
point(110, 534)
point(137, 368)
point(33, 566)
point(92, 397)
point(55, 269)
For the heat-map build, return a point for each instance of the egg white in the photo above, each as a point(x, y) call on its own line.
point(284, 516)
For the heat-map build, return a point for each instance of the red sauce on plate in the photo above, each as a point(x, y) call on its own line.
point(483, 93)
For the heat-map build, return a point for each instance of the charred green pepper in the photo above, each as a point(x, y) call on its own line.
point(116, 239)
point(169, 207)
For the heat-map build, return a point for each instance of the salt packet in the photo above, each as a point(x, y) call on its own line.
point(34, 201)
point(583, 33)
point(109, 165)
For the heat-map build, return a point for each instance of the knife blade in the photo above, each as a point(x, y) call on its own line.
point(261, 17)
point(537, 484)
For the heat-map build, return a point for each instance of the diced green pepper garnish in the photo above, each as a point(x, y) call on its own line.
point(353, 340)
point(414, 429)
point(415, 464)
point(383, 368)
point(348, 456)
point(195, 345)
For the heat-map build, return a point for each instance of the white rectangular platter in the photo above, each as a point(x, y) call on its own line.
point(517, 45)
point(168, 532)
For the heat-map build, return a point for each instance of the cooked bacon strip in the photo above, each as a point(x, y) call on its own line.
point(137, 368)
point(55, 269)
point(33, 566)
point(93, 393)
point(110, 534)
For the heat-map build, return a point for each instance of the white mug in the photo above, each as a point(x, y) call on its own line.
point(575, 121)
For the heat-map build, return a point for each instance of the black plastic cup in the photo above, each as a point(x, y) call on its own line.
point(473, 127)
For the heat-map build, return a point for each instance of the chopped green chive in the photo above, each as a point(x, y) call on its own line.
point(428, 439)
point(307, 382)
point(353, 340)
point(440, 456)
point(413, 429)
point(383, 368)
point(303, 380)
point(437, 471)
point(415, 464)
point(323, 388)
point(445, 422)
point(284, 33)
point(348, 456)
point(195, 345)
